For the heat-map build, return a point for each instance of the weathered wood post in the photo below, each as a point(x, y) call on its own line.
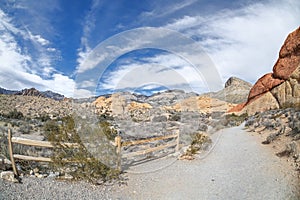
point(177, 141)
point(118, 151)
point(10, 149)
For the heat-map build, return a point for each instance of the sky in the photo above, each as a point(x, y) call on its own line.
point(93, 47)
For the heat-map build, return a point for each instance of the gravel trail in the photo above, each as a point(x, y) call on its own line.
point(239, 167)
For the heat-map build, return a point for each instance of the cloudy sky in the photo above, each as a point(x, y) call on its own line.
point(92, 47)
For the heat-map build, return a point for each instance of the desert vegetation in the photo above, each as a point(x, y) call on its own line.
point(281, 129)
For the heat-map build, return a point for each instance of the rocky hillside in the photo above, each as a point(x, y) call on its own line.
point(281, 129)
point(281, 88)
point(34, 106)
point(170, 101)
point(235, 91)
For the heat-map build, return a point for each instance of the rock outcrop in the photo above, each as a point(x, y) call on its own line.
point(30, 92)
point(281, 88)
point(202, 104)
point(235, 91)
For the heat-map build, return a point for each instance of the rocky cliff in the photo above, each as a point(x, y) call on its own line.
point(235, 91)
point(281, 88)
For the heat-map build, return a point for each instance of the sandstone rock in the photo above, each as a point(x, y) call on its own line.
point(288, 93)
point(38, 175)
point(68, 176)
point(282, 86)
point(263, 85)
point(53, 174)
point(265, 102)
point(9, 176)
point(36, 170)
point(202, 104)
point(5, 164)
point(289, 56)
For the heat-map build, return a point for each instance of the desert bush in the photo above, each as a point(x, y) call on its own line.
point(269, 124)
point(175, 117)
point(76, 160)
point(4, 146)
point(250, 121)
point(199, 142)
point(14, 114)
point(25, 128)
point(202, 127)
point(108, 130)
point(234, 120)
point(51, 129)
point(44, 117)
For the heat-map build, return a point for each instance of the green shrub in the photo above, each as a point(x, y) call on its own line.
point(107, 130)
point(15, 114)
point(76, 160)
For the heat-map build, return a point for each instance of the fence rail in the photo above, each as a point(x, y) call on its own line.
point(28, 142)
point(118, 143)
point(47, 144)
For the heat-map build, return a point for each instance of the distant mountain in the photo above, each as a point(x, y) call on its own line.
point(30, 92)
point(53, 95)
point(235, 91)
point(33, 92)
point(5, 91)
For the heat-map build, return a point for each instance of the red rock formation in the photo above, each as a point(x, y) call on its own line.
point(237, 108)
point(289, 56)
point(263, 85)
point(287, 64)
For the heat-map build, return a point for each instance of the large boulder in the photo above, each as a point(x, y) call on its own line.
point(263, 85)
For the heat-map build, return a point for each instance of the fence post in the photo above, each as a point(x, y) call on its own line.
point(10, 149)
point(177, 140)
point(118, 144)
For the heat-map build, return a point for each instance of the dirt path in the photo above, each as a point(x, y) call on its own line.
point(238, 168)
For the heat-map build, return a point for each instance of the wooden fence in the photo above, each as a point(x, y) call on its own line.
point(118, 143)
point(28, 142)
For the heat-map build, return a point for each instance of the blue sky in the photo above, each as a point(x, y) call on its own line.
point(48, 44)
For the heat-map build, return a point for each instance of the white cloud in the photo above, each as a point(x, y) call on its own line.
point(166, 70)
point(243, 42)
point(82, 93)
point(51, 49)
point(39, 39)
point(171, 71)
point(160, 11)
point(85, 49)
point(18, 68)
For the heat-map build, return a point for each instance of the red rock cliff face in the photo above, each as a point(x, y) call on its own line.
point(282, 86)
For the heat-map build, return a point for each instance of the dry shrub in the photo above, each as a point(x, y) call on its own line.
point(76, 160)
